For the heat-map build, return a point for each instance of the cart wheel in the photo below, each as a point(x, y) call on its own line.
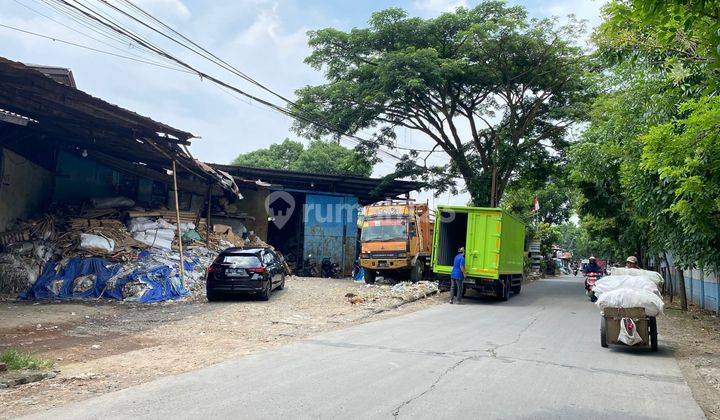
point(653, 334)
point(603, 332)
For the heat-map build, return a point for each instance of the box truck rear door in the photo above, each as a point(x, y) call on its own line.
point(483, 244)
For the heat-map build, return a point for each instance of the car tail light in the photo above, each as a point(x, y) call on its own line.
point(257, 270)
point(213, 269)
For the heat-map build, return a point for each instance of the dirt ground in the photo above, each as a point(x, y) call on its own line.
point(100, 347)
point(695, 339)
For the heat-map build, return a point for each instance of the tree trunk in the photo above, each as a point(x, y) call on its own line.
point(681, 286)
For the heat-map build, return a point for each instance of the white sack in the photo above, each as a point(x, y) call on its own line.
point(95, 242)
point(632, 298)
point(141, 226)
point(164, 224)
point(628, 332)
point(614, 282)
point(153, 241)
point(167, 234)
point(653, 276)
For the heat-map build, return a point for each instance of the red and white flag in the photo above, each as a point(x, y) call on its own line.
point(536, 206)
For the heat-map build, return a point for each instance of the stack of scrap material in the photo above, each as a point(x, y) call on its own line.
point(626, 291)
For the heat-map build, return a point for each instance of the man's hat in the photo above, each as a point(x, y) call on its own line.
point(631, 259)
point(591, 258)
point(461, 249)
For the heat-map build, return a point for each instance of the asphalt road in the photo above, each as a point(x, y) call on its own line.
point(535, 356)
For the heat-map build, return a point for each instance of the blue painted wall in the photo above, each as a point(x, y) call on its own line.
point(330, 228)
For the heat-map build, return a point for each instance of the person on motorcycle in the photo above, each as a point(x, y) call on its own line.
point(631, 262)
point(592, 267)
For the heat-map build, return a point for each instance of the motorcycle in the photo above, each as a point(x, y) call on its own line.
point(310, 267)
point(329, 269)
point(590, 280)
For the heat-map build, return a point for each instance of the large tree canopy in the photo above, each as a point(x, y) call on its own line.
point(494, 89)
point(320, 157)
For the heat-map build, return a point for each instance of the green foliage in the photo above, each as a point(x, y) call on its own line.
point(319, 157)
point(554, 197)
point(648, 163)
point(512, 83)
point(16, 360)
point(684, 156)
point(549, 235)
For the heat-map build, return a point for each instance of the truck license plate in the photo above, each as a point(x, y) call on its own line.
point(382, 264)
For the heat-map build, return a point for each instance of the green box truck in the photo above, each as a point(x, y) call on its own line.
point(494, 242)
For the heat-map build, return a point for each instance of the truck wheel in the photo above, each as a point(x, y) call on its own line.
point(370, 277)
point(416, 273)
point(653, 334)
point(603, 332)
point(516, 289)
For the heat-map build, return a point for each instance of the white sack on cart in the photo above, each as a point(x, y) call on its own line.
point(653, 276)
point(613, 282)
point(632, 298)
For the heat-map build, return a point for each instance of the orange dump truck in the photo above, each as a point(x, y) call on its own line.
point(396, 238)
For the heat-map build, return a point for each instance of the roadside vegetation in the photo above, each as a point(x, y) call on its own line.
point(16, 360)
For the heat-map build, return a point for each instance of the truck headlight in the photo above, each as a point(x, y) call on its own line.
point(402, 255)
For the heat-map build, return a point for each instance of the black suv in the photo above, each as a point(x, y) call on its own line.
point(250, 270)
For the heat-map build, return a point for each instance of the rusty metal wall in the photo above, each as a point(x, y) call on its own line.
point(330, 229)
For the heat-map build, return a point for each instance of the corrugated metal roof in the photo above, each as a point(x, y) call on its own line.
point(75, 119)
point(14, 118)
point(367, 190)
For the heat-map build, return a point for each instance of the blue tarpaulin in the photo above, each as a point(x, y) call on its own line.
point(161, 280)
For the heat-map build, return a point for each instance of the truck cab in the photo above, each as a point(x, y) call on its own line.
point(395, 240)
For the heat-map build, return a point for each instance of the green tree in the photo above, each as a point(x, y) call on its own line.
point(320, 157)
point(493, 88)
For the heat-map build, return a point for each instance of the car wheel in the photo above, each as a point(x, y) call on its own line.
point(282, 283)
point(265, 294)
point(212, 296)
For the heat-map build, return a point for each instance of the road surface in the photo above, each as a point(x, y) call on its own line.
point(535, 356)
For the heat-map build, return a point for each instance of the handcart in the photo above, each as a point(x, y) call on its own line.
point(610, 326)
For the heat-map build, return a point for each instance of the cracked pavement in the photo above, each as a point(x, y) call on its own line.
point(535, 356)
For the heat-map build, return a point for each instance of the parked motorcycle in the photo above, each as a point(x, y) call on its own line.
point(590, 280)
point(329, 269)
point(310, 267)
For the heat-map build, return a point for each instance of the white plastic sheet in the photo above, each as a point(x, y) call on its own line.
point(95, 242)
point(653, 276)
point(632, 298)
point(614, 282)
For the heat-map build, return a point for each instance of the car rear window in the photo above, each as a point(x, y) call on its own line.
point(242, 260)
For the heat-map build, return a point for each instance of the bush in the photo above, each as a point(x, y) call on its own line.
point(16, 360)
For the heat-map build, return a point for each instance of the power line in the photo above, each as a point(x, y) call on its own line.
point(92, 49)
point(88, 36)
point(97, 17)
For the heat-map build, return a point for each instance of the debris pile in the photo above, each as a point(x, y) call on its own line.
point(112, 250)
point(404, 292)
point(629, 291)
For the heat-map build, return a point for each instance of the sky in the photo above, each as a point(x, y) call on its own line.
point(265, 39)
